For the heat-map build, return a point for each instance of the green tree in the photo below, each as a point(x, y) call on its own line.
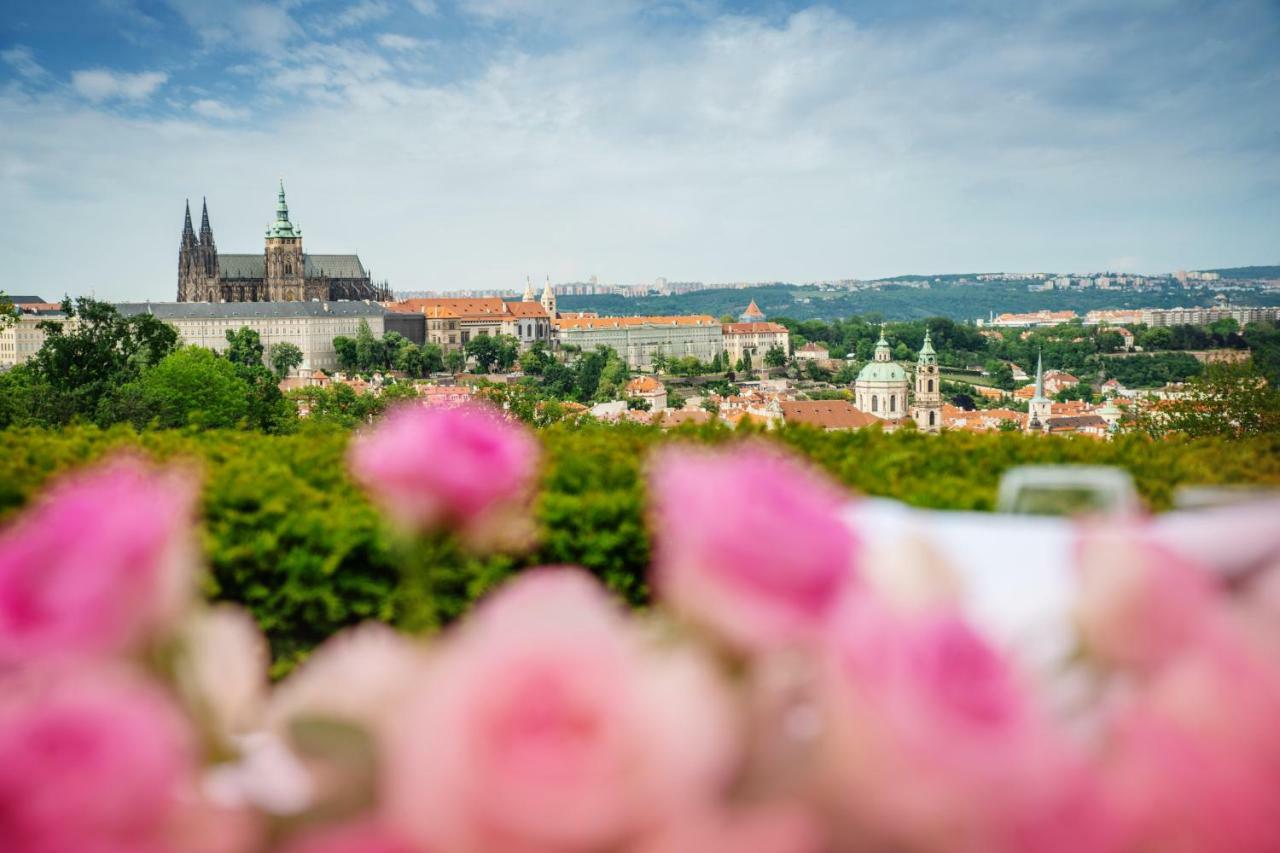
point(1001, 374)
point(1232, 400)
point(455, 361)
point(192, 386)
point(408, 358)
point(432, 358)
point(506, 352)
point(284, 357)
point(775, 357)
point(535, 360)
point(244, 347)
point(80, 364)
point(483, 350)
point(348, 358)
point(371, 354)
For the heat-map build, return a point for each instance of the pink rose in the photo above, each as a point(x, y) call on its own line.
point(547, 723)
point(102, 561)
point(932, 742)
point(358, 837)
point(94, 763)
point(1194, 758)
point(772, 828)
point(430, 467)
point(749, 542)
point(1140, 603)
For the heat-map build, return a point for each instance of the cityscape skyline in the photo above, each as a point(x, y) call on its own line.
point(463, 145)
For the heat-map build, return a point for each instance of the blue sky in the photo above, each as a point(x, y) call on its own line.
point(467, 143)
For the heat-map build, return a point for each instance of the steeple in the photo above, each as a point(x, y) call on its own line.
point(206, 232)
point(549, 299)
point(282, 227)
point(1040, 409)
point(1039, 395)
point(883, 353)
point(188, 233)
point(927, 354)
point(528, 290)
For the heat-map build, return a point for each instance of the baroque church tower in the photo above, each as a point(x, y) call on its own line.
point(285, 268)
point(927, 410)
point(549, 299)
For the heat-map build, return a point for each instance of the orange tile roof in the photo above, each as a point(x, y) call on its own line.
point(644, 385)
point(620, 322)
point(827, 414)
point(753, 328)
point(753, 310)
point(676, 417)
point(526, 309)
point(468, 308)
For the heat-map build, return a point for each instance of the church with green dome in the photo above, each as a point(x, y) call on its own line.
point(883, 387)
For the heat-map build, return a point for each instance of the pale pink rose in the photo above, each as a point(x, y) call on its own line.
point(356, 676)
point(749, 542)
point(931, 741)
point(221, 670)
point(358, 837)
point(1139, 602)
point(1194, 760)
point(466, 466)
point(102, 561)
point(547, 723)
point(90, 762)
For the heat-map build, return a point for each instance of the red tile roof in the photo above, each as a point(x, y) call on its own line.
point(826, 414)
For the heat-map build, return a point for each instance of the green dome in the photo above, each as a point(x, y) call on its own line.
point(882, 371)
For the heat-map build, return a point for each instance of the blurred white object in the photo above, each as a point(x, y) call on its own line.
point(1067, 489)
point(1016, 571)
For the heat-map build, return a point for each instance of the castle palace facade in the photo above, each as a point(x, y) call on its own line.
point(282, 273)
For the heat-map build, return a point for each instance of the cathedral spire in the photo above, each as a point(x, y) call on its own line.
point(282, 227)
point(528, 290)
point(188, 233)
point(206, 231)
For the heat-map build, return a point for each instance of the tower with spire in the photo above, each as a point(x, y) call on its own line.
point(528, 291)
point(927, 409)
point(549, 299)
point(197, 260)
point(1040, 407)
point(285, 268)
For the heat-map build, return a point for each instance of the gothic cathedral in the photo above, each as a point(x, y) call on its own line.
point(283, 273)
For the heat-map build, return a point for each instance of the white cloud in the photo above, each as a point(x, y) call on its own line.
point(23, 61)
point(395, 41)
point(217, 110)
point(257, 26)
point(424, 7)
point(803, 148)
point(101, 84)
point(353, 16)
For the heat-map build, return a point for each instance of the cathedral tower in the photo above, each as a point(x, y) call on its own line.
point(927, 410)
point(188, 262)
point(528, 290)
point(285, 274)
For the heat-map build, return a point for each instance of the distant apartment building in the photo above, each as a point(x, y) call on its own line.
point(23, 338)
point(750, 342)
point(1037, 318)
point(310, 326)
point(638, 339)
point(1120, 316)
point(1204, 316)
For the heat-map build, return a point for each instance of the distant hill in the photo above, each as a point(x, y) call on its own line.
point(1248, 272)
point(892, 302)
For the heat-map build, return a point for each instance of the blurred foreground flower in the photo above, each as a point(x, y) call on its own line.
point(103, 561)
point(466, 466)
point(749, 542)
point(546, 723)
point(91, 762)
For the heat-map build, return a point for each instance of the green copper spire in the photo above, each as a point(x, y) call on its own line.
point(883, 353)
point(927, 353)
point(282, 227)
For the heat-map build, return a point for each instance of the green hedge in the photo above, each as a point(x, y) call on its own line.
point(288, 534)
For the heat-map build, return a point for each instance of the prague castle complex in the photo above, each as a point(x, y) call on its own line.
point(281, 273)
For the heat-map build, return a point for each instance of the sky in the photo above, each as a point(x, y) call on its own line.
point(469, 143)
